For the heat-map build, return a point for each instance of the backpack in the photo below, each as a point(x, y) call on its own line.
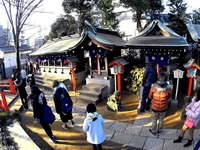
point(65, 103)
point(160, 94)
point(48, 115)
point(160, 100)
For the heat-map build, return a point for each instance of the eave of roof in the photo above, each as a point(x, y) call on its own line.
point(157, 41)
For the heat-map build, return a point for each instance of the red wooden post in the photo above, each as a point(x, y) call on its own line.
point(158, 69)
point(73, 79)
point(119, 84)
point(190, 86)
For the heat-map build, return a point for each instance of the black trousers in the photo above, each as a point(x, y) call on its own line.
point(47, 129)
point(97, 146)
point(23, 96)
point(66, 117)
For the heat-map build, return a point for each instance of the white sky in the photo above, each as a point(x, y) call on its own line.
point(54, 7)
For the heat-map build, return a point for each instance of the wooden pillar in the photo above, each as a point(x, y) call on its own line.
point(61, 64)
point(90, 65)
point(55, 67)
point(49, 66)
point(168, 72)
point(43, 68)
point(73, 79)
point(158, 69)
point(98, 65)
point(106, 65)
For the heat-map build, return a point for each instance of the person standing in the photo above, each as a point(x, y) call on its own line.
point(13, 75)
point(160, 93)
point(38, 102)
point(31, 79)
point(193, 115)
point(59, 91)
point(150, 77)
point(23, 75)
point(93, 125)
point(21, 89)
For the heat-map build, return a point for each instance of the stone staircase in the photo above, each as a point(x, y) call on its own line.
point(93, 93)
point(46, 81)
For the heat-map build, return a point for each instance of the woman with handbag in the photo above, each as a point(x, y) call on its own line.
point(38, 102)
point(192, 120)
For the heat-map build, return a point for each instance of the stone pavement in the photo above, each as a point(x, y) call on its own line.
point(134, 135)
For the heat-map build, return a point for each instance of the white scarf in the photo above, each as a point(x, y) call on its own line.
point(91, 116)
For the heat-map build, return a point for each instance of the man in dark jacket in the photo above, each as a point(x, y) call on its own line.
point(150, 77)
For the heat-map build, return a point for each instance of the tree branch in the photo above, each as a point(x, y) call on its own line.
point(23, 20)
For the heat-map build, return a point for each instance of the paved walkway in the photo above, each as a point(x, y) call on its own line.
point(133, 135)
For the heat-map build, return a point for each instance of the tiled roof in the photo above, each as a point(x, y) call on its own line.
point(57, 46)
point(107, 38)
point(7, 49)
point(194, 31)
point(156, 34)
point(119, 60)
point(101, 37)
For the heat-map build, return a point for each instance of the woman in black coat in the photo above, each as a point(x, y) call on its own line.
point(21, 89)
point(59, 89)
point(38, 102)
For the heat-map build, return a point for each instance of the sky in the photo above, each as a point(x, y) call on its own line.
point(54, 9)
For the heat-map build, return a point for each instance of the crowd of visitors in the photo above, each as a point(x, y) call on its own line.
point(155, 96)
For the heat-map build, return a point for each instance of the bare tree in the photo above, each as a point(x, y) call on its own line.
point(18, 11)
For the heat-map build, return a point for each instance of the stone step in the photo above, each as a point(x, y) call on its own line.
point(94, 87)
point(47, 82)
point(45, 86)
point(90, 94)
point(88, 99)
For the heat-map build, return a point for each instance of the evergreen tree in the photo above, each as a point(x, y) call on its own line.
point(177, 16)
point(107, 16)
point(138, 7)
point(83, 8)
point(156, 7)
point(63, 26)
point(196, 16)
